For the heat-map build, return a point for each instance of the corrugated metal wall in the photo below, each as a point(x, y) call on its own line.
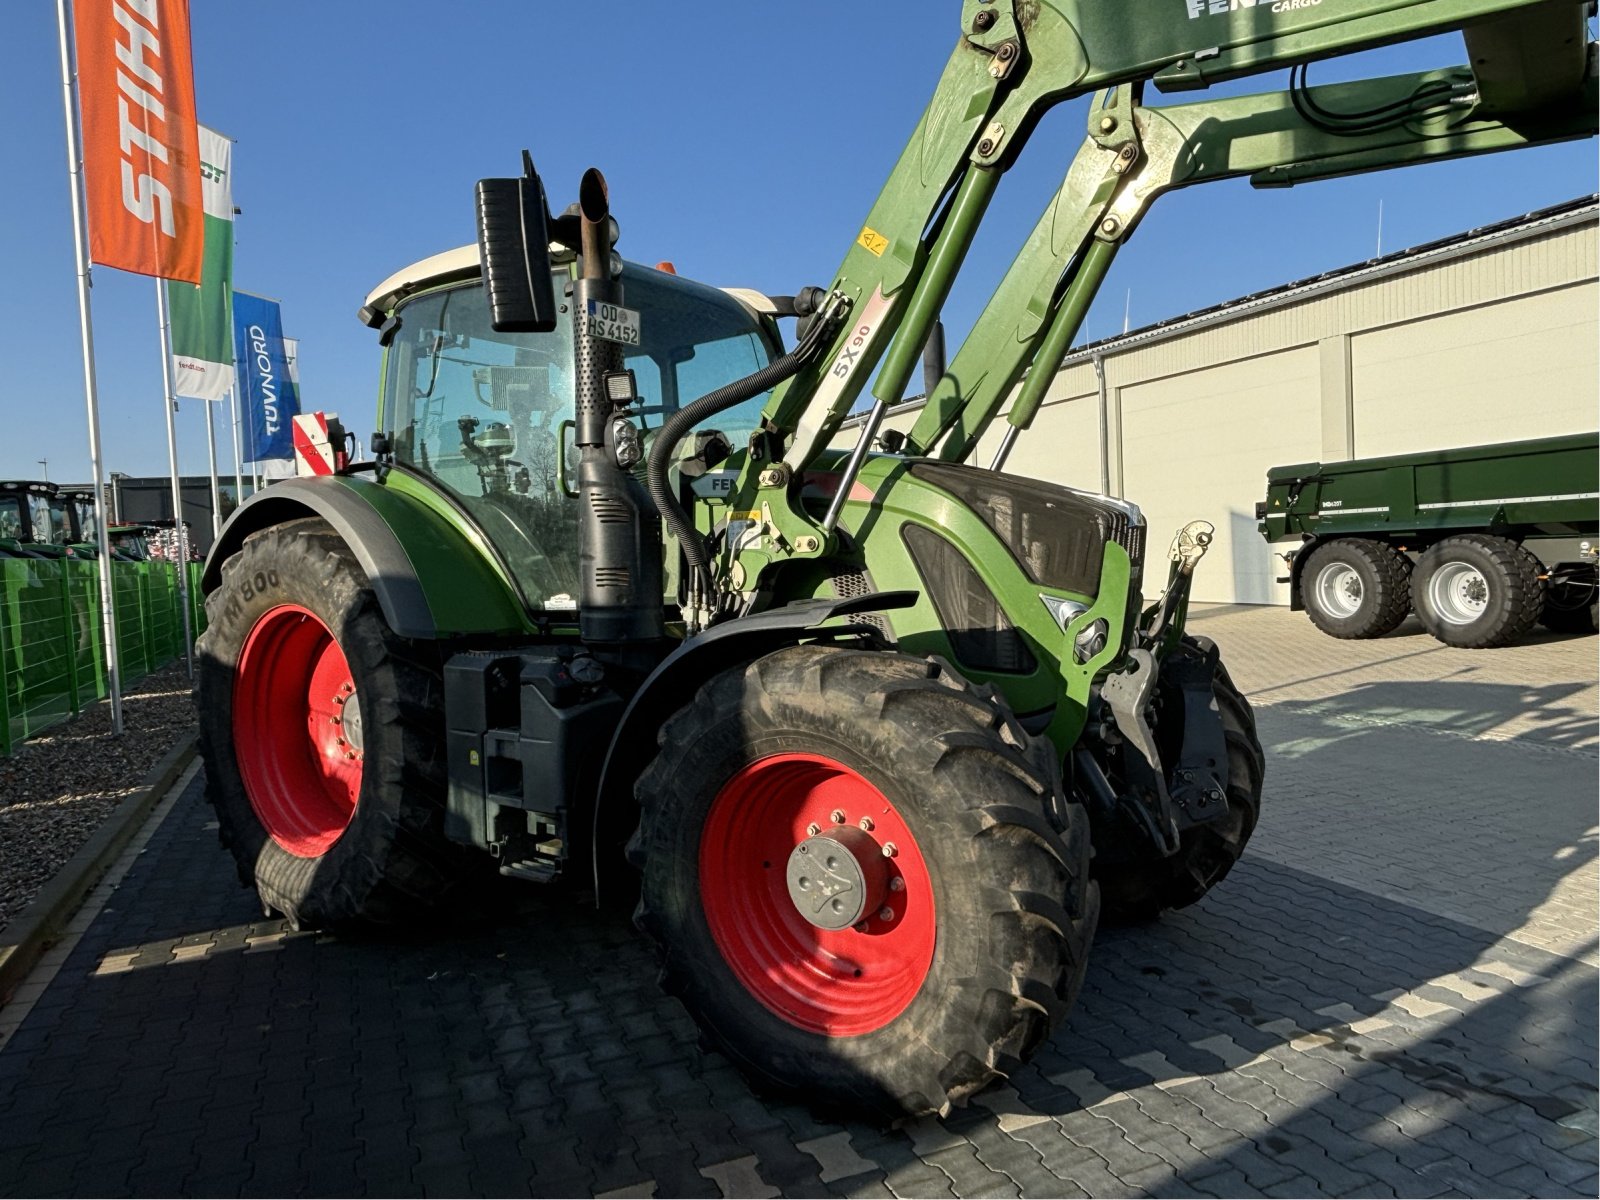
point(1477, 342)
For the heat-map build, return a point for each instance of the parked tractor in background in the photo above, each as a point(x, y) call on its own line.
point(1481, 542)
point(857, 719)
point(40, 520)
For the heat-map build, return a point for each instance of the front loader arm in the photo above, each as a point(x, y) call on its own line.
point(1016, 59)
point(1272, 139)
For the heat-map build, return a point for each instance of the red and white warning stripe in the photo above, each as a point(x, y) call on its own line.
point(313, 449)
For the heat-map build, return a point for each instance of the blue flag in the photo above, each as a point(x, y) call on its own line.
point(270, 397)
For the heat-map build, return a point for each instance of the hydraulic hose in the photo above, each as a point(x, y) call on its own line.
point(677, 427)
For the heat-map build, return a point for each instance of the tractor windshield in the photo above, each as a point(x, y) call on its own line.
point(48, 520)
point(11, 506)
point(489, 415)
point(86, 525)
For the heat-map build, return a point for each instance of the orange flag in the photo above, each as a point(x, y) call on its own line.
point(141, 145)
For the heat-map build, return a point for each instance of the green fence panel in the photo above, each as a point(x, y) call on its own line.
point(197, 601)
point(52, 646)
point(38, 681)
point(89, 644)
point(128, 600)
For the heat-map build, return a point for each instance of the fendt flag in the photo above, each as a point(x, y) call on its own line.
point(202, 326)
point(141, 145)
point(265, 387)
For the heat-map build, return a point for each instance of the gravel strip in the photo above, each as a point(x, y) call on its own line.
point(58, 788)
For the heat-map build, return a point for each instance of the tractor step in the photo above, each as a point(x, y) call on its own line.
point(531, 870)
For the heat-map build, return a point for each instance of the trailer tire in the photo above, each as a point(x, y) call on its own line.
point(1477, 591)
point(1135, 892)
point(1356, 588)
point(977, 951)
point(325, 838)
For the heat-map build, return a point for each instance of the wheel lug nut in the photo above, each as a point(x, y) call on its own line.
point(813, 829)
point(886, 913)
point(897, 884)
point(837, 816)
point(866, 824)
point(890, 850)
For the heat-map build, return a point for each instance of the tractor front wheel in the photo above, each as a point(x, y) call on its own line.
point(1142, 889)
point(862, 880)
point(322, 734)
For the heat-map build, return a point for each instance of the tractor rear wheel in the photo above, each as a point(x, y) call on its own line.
point(1141, 891)
point(322, 734)
point(861, 879)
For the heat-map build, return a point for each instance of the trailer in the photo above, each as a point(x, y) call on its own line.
point(1480, 542)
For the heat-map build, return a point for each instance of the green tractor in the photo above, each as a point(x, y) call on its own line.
point(880, 730)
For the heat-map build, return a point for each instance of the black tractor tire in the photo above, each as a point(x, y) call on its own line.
point(391, 859)
point(1140, 891)
point(1005, 881)
point(1570, 604)
point(1356, 588)
point(1477, 591)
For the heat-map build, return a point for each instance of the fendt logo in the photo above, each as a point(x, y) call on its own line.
point(1216, 8)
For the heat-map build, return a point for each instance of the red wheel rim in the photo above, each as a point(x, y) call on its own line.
point(299, 753)
point(834, 982)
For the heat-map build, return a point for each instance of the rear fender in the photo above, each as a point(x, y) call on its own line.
point(431, 578)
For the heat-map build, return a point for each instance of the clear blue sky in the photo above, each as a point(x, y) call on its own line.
point(742, 140)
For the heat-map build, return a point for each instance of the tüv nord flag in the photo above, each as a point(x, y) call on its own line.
point(265, 387)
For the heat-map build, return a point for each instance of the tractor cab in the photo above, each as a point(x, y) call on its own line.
point(490, 416)
point(83, 520)
point(34, 522)
point(130, 542)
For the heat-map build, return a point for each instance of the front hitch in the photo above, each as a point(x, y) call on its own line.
point(1163, 622)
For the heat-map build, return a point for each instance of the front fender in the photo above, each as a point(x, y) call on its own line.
point(431, 578)
point(676, 679)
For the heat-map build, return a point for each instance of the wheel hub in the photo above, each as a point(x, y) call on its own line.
point(836, 878)
point(1459, 592)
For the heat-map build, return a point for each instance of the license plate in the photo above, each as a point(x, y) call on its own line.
point(613, 323)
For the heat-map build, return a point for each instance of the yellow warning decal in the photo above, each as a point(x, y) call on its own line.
point(752, 515)
point(874, 241)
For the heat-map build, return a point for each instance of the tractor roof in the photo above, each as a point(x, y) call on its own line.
point(464, 263)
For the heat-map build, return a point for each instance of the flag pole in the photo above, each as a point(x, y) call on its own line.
point(238, 458)
point(177, 483)
point(216, 495)
point(108, 623)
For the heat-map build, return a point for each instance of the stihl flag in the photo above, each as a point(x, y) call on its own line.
point(141, 145)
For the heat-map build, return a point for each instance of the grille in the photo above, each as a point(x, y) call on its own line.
point(848, 583)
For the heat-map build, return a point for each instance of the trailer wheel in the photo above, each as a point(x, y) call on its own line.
point(861, 881)
point(322, 734)
point(1475, 591)
point(1356, 588)
point(1141, 891)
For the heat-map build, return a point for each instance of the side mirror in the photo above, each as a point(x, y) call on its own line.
point(514, 246)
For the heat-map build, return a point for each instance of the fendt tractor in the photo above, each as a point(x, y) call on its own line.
point(883, 730)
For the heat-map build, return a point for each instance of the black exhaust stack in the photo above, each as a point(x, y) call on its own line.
point(619, 531)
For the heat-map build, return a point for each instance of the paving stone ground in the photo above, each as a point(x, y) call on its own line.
point(1393, 994)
